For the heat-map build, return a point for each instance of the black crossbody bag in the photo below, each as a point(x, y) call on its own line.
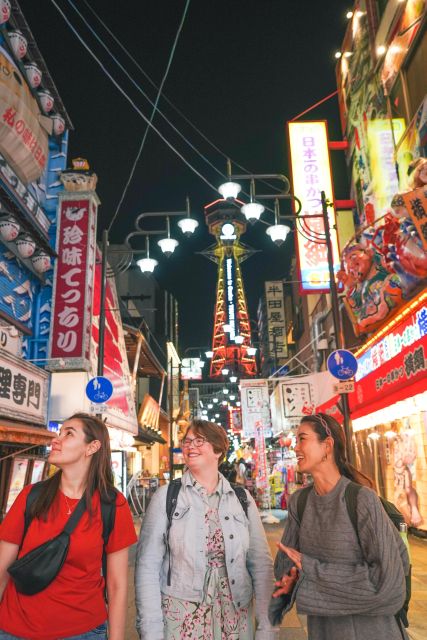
point(39, 567)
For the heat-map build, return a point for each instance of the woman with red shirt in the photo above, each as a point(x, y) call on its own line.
point(72, 607)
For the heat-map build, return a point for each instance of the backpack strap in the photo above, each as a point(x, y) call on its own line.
point(174, 487)
point(302, 501)
point(350, 495)
point(242, 496)
point(108, 516)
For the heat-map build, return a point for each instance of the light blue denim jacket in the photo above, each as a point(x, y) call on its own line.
point(247, 555)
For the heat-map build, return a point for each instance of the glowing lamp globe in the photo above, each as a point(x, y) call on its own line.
point(168, 245)
point(252, 211)
point(209, 354)
point(147, 265)
point(239, 339)
point(251, 351)
point(229, 190)
point(224, 371)
point(188, 226)
point(278, 233)
point(233, 379)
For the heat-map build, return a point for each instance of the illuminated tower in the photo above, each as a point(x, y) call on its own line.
point(231, 332)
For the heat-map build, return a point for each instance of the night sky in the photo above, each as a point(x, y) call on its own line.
point(242, 68)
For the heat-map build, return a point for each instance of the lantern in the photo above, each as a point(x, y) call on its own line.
point(34, 74)
point(18, 43)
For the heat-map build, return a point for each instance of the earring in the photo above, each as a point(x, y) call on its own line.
point(325, 457)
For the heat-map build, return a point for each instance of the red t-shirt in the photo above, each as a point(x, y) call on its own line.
point(74, 602)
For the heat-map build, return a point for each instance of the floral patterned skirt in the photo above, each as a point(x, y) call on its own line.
point(215, 618)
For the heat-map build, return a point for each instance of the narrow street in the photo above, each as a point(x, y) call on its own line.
point(294, 626)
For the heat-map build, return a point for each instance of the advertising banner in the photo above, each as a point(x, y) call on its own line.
point(73, 283)
point(23, 390)
point(276, 320)
point(255, 407)
point(416, 204)
point(23, 141)
point(311, 174)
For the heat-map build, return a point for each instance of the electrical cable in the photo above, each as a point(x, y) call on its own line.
point(147, 128)
point(129, 99)
point(165, 98)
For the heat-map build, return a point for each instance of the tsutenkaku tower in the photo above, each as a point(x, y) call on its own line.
point(231, 332)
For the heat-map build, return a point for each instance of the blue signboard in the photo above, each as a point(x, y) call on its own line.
point(342, 364)
point(99, 389)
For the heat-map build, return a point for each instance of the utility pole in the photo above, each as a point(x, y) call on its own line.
point(339, 339)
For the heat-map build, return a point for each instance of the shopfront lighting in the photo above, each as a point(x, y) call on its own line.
point(215, 400)
point(374, 435)
point(390, 434)
point(251, 351)
point(210, 405)
point(224, 403)
point(229, 190)
point(238, 403)
point(225, 391)
point(224, 371)
point(278, 233)
point(232, 397)
point(217, 415)
point(209, 354)
point(239, 339)
point(233, 379)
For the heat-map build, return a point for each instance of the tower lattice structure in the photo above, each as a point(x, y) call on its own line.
point(231, 318)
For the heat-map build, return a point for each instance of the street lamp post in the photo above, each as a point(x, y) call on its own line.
point(278, 233)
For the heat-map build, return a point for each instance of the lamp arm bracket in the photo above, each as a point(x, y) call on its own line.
point(157, 214)
point(153, 232)
point(263, 176)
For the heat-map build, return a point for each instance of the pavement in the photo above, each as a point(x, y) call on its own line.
point(294, 626)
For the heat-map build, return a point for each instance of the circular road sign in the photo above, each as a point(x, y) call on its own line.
point(342, 364)
point(99, 389)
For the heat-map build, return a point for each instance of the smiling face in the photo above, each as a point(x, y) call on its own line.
point(310, 450)
point(201, 457)
point(70, 447)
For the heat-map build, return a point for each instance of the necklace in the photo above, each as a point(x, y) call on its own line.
point(68, 505)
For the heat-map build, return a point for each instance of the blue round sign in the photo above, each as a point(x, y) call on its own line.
point(99, 389)
point(342, 364)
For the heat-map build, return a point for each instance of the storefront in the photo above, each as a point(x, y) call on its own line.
point(389, 411)
point(23, 436)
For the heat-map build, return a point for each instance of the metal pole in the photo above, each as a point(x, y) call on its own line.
point(102, 299)
point(339, 341)
point(170, 420)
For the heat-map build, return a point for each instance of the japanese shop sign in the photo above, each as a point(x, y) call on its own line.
point(311, 174)
point(416, 205)
point(73, 283)
point(276, 320)
point(23, 390)
point(23, 141)
point(381, 143)
point(255, 407)
point(22, 194)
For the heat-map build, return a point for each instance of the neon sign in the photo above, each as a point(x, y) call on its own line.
point(231, 306)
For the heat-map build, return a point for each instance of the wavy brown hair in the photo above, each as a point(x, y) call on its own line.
point(213, 433)
point(99, 476)
point(337, 433)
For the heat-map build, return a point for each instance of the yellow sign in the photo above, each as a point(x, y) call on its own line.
point(311, 174)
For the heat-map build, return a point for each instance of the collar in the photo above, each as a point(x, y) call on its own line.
point(223, 485)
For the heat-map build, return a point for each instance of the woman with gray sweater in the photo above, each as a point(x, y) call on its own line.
point(350, 585)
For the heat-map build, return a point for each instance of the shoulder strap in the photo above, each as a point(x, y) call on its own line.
point(302, 501)
point(108, 515)
point(350, 495)
point(32, 496)
point(174, 487)
point(242, 496)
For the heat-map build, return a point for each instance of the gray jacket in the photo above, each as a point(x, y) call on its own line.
point(248, 560)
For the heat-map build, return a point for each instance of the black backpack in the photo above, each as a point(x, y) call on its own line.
point(174, 487)
point(350, 494)
point(108, 515)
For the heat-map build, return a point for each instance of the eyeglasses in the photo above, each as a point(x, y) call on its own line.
point(197, 442)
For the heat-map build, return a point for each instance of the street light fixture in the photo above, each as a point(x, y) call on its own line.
point(251, 351)
point(233, 379)
point(147, 264)
point(224, 372)
point(239, 339)
point(209, 354)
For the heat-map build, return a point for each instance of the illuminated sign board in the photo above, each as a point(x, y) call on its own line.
point(381, 143)
point(231, 303)
point(191, 369)
point(311, 174)
point(393, 344)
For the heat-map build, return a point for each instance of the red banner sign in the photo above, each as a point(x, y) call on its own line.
point(73, 283)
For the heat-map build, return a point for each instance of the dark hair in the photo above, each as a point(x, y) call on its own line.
point(324, 426)
point(213, 433)
point(100, 474)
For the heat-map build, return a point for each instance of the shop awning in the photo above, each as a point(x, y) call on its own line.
point(149, 420)
point(147, 436)
point(142, 360)
point(24, 434)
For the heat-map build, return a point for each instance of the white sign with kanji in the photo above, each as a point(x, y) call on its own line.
point(23, 390)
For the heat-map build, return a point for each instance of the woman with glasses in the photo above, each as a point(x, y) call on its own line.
point(196, 579)
point(349, 580)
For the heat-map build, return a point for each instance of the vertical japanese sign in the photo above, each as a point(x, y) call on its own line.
point(311, 174)
point(73, 282)
point(416, 204)
point(381, 142)
point(276, 320)
point(255, 405)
